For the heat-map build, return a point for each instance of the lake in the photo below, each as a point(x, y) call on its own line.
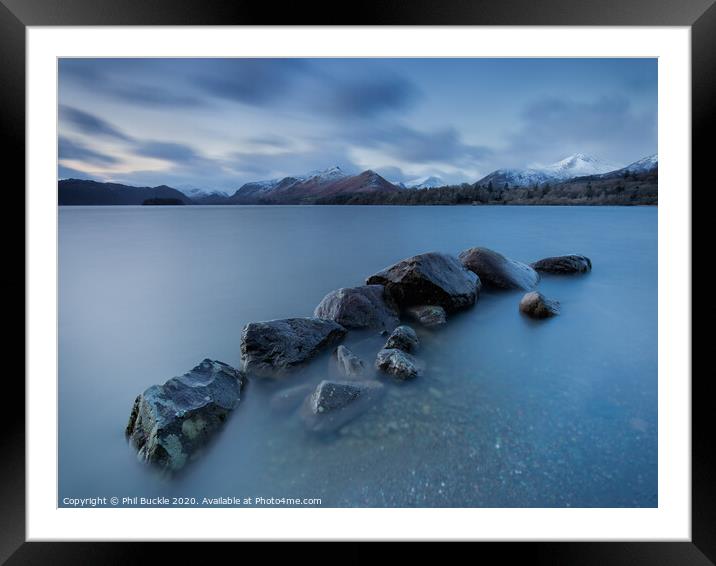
point(511, 412)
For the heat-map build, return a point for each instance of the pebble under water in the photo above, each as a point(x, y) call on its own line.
point(511, 412)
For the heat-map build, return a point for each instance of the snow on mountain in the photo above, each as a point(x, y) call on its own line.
point(258, 188)
point(196, 192)
point(516, 178)
point(643, 165)
point(429, 182)
point(311, 186)
point(577, 165)
point(330, 174)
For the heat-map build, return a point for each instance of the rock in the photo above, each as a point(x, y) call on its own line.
point(403, 338)
point(428, 315)
point(536, 305)
point(495, 270)
point(368, 306)
point(272, 348)
point(429, 279)
point(350, 365)
point(288, 399)
point(170, 423)
point(399, 364)
point(334, 403)
point(573, 263)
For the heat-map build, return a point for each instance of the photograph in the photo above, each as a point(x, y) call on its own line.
point(357, 282)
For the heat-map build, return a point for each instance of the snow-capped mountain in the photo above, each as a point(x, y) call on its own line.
point(577, 165)
point(644, 165)
point(429, 182)
point(260, 189)
point(196, 192)
point(311, 186)
point(331, 174)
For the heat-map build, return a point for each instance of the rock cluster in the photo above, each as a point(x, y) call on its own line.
point(170, 423)
point(428, 316)
point(348, 364)
point(334, 403)
point(536, 305)
point(429, 279)
point(272, 348)
point(368, 306)
point(495, 270)
point(564, 264)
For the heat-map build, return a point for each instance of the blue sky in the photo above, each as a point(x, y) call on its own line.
point(217, 123)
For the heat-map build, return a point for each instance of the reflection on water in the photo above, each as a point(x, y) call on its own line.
point(510, 413)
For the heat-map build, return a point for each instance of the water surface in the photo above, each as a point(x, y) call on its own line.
point(511, 412)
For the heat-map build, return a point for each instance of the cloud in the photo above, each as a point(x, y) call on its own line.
point(256, 82)
point(152, 95)
point(607, 127)
point(75, 151)
point(270, 140)
point(168, 151)
point(130, 80)
point(441, 145)
point(90, 124)
point(64, 172)
point(259, 166)
point(410, 145)
point(367, 96)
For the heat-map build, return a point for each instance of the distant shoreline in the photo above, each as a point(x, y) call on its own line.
point(595, 205)
point(625, 189)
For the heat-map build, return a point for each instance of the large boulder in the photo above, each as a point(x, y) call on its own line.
point(403, 338)
point(334, 403)
point(428, 315)
point(367, 306)
point(536, 305)
point(399, 364)
point(348, 364)
point(170, 423)
point(564, 264)
point(429, 279)
point(496, 270)
point(272, 348)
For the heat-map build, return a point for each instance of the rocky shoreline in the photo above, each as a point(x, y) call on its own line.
point(170, 424)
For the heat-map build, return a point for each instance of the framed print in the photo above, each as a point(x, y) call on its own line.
point(408, 277)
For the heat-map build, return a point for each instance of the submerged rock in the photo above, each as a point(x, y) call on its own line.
point(272, 348)
point(350, 365)
point(496, 270)
point(403, 338)
point(170, 423)
point(536, 305)
point(289, 399)
point(334, 403)
point(428, 315)
point(399, 364)
point(563, 264)
point(429, 279)
point(367, 306)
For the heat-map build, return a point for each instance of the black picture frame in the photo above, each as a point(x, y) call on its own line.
point(16, 15)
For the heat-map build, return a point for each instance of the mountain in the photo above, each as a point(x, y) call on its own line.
point(577, 165)
point(204, 196)
point(425, 183)
point(648, 164)
point(310, 187)
point(92, 193)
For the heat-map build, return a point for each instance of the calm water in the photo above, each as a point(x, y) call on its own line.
point(511, 412)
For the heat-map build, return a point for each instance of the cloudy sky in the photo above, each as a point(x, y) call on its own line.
point(217, 123)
